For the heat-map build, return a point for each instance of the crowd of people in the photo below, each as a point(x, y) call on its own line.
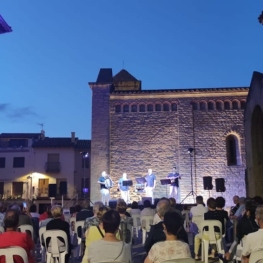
point(107, 232)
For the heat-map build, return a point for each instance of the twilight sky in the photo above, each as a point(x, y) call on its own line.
point(57, 47)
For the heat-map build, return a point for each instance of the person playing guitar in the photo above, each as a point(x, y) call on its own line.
point(174, 177)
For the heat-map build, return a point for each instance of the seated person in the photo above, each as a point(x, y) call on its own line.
point(85, 212)
point(171, 248)
point(147, 210)
point(156, 233)
point(94, 233)
point(109, 248)
point(44, 222)
point(135, 209)
point(60, 224)
point(12, 238)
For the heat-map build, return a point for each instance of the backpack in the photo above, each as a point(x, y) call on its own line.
point(125, 233)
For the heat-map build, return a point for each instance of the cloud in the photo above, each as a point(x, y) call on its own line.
point(21, 113)
point(4, 107)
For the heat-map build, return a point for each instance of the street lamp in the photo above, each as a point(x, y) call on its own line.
point(85, 189)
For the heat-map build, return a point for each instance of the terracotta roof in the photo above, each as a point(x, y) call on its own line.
point(20, 135)
point(105, 76)
point(4, 27)
point(61, 143)
point(123, 76)
point(181, 90)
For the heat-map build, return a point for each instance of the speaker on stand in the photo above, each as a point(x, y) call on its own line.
point(207, 183)
point(220, 185)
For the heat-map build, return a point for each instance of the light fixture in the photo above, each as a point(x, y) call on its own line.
point(190, 150)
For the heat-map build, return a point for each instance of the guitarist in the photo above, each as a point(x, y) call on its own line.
point(174, 177)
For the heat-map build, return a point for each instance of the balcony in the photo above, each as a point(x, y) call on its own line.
point(52, 167)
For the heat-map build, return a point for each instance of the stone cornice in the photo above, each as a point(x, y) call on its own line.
point(99, 85)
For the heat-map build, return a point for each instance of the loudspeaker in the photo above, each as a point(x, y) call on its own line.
point(63, 187)
point(113, 204)
point(147, 198)
point(220, 185)
point(207, 182)
point(52, 190)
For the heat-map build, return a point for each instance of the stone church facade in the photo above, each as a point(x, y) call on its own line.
point(135, 129)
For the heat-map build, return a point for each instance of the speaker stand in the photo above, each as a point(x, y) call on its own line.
point(51, 200)
point(62, 201)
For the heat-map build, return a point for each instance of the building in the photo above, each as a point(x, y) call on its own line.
point(4, 27)
point(135, 129)
point(31, 162)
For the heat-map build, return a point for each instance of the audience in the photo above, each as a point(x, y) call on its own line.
point(236, 205)
point(197, 214)
point(241, 208)
point(44, 215)
point(2, 215)
point(44, 222)
point(171, 248)
point(24, 216)
point(13, 238)
point(109, 248)
point(156, 233)
point(85, 212)
point(147, 210)
point(33, 211)
point(59, 224)
point(135, 209)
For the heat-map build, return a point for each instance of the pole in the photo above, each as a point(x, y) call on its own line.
point(62, 201)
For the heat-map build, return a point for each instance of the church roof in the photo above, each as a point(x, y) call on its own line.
point(4, 27)
point(123, 76)
point(105, 76)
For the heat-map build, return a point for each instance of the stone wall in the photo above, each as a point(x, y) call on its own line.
point(160, 140)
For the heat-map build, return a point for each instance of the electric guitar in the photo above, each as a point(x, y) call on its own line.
point(172, 178)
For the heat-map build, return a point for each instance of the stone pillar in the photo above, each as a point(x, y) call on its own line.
point(100, 130)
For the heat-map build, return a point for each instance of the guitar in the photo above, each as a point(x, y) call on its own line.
point(172, 178)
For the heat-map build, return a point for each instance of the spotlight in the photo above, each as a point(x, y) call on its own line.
point(190, 150)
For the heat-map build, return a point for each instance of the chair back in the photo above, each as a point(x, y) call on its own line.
point(9, 252)
point(54, 247)
point(72, 219)
point(2, 230)
point(26, 229)
point(211, 224)
point(198, 220)
point(79, 229)
point(136, 220)
point(146, 222)
point(255, 256)
point(180, 260)
point(41, 239)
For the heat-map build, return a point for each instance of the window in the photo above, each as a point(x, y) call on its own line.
point(126, 108)
point(235, 105)
point(166, 107)
point(202, 105)
point(174, 107)
point(219, 105)
point(158, 107)
point(52, 164)
point(19, 162)
point(142, 108)
point(227, 105)
point(17, 188)
point(133, 108)
point(232, 150)
point(194, 106)
point(149, 107)
point(243, 104)
point(2, 162)
point(18, 143)
point(210, 105)
point(118, 108)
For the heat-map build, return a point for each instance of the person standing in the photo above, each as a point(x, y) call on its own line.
point(150, 183)
point(174, 177)
point(125, 193)
point(105, 192)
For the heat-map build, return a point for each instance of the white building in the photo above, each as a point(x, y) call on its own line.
point(30, 162)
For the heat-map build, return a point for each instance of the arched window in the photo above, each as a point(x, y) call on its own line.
point(125, 108)
point(243, 105)
point(202, 105)
point(232, 150)
point(118, 108)
point(194, 106)
point(149, 107)
point(158, 107)
point(235, 105)
point(133, 108)
point(227, 105)
point(166, 107)
point(174, 107)
point(210, 105)
point(219, 105)
point(142, 108)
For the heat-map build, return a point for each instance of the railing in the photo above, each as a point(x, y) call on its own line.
point(52, 167)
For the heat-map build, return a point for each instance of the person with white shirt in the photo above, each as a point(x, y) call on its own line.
point(147, 210)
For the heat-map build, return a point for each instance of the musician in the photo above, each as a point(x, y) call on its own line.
point(105, 192)
point(174, 183)
point(150, 183)
point(124, 189)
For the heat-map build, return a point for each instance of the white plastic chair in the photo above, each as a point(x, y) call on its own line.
point(146, 222)
point(213, 237)
point(238, 255)
point(42, 249)
point(136, 223)
point(9, 252)
point(185, 214)
point(54, 251)
point(197, 220)
point(180, 260)
point(256, 256)
point(79, 226)
point(25, 228)
point(2, 230)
